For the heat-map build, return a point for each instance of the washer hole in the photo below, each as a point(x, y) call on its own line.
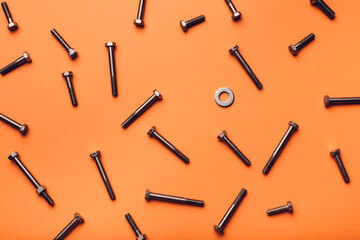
point(224, 97)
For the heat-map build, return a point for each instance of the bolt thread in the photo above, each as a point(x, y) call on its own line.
point(17, 63)
point(140, 14)
point(305, 41)
point(10, 122)
point(7, 12)
point(236, 151)
point(344, 101)
point(342, 168)
point(240, 197)
point(192, 22)
point(60, 39)
point(174, 199)
point(67, 229)
point(325, 9)
point(104, 178)
point(132, 224)
point(112, 72)
point(47, 197)
point(231, 6)
point(277, 210)
point(71, 91)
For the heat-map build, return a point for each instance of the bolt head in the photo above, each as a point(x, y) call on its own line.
point(221, 135)
point(219, 230)
point(13, 155)
point(293, 50)
point(147, 195)
point(151, 131)
point(183, 26)
point(23, 130)
point(67, 74)
point(157, 94)
point(12, 26)
point(335, 152)
point(110, 44)
point(73, 53)
point(41, 189)
point(290, 206)
point(79, 217)
point(236, 16)
point(327, 101)
point(234, 49)
point(141, 237)
point(139, 22)
point(27, 57)
point(293, 124)
point(95, 154)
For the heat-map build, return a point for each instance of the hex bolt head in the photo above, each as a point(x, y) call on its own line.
point(286, 208)
point(324, 8)
point(336, 155)
point(294, 49)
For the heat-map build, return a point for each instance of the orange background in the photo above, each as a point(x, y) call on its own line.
point(187, 69)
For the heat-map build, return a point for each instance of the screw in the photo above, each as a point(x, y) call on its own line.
point(185, 25)
point(25, 58)
point(153, 133)
point(111, 46)
point(136, 230)
point(73, 224)
point(12, 25)
point(71, 51)
point(68, 77)
point(40, 189)
point(156, 96)
point(96, 156)
point(286, 208)
point(323, 7)
point(294, 49)
point(173, 199)
point(340, 101)
point(235, 52)
point(139, 22)
point(236, 15)
point(336, 155)
point(292, 128)
point(224, 221)
point(22, 128)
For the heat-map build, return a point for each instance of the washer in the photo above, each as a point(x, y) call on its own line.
point(228, 102)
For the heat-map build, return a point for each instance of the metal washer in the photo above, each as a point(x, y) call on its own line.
point(228, 102)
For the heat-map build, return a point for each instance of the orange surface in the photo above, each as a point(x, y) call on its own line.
point(187, 69)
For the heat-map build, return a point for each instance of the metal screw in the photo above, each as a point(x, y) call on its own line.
point(12, 26)
point(153, 133)
point(185, 25)
point(222, 137)
point(25, 58)
point(68, 77)
point(173, 199)
point(323, 7)
point(40, 189)
point(294, 49)
point(156, 96)
point(235, 52)
point(286, 208)
point(139, 22)
point(73, 224)
point(340, 101)
point(96, 156)
point(336, 155)
point(136, 230)
point(236, 15)
point(111, 47)
point(224, 221)
point(71, 51)
point(22, 128)
point(292, 128)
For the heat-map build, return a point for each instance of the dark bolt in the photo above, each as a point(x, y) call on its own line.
point(12, 25)
point(40, 189)
point(222, 137)
point(111, 46)
point(139, 22)
point(153, 133)
point(294, 49)
point(25, 58)
point(136, 230)
point(185, 25)
point(286, 208)
point(224, 221)
point(96, 156)
point(71, 51)
point(236, 15)
point(340, 101)
point(76, 221)
point(168, 198)
point(235, 52)
point(22, 128)
point(292, 128)
point(156, 96)
point(336, 155)
point(324, 7)
point(68, 77)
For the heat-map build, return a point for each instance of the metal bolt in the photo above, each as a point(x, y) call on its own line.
point(139, 22)
point(236, 15)
point(153, 133)
point(235, 52)
point(40, 189)
point(73, 224)
point(22, 128)
point(96, 156)
point(173, 199)
point(185, 25)
point(12, 26)
point(111, 47)
point(340, 101)
point(153, 99)
point(25, 58)
point(293, 127)
point(71, 51)
point(286, 208)
point(294, 49)
point(68, 77)
point(323, 7)
point(136, 230)
point(336, 155)
point(224, 221)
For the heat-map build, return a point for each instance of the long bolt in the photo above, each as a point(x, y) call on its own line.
point(235, 52)
point(153, 133)
point(236, 15)
point(68, 78)
point(111, 47)
point(135, 228)
point(153, 99)
point(222, 137)
point(71, 51)
point(22, 128)
point(173, 199)
point(294, 49)
point(25, 58)
point(96, 156)
point(12, 26)
point(286, 208)
point(40, 189)
point(139, 22)
point(73, 224)
point(336, 155)
point(292, 128)
point(224, 221)
point(324, 8)
point(185, 25)
point(340, 101)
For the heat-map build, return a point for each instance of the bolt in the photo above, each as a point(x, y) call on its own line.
point(153, 99)
point(139, 22)
point(323, 7)
point(292, 128)
point(136, 230)
point(336, 155)
point(153, 133)
point(185, 25)
point(22, 128)
point(111, 47)
point(25, 58)
point(236, 15)
point(96, 156)
point(224, 221)
point(71, 51)
point(68, 77)
point(12, 25)
point(340, 101)
point(173, 199)
point(40, 189)
point(294, 49)
point(235, 52)
point(73, 224)
point(286, 208)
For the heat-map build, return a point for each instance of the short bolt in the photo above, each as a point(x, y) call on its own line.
point(328, 102)
point(185, 25)
point(25, 58)
point(324, 8)
point(236, 15)
point(12, 26)
point(71, 51)
point(286, 208)
point(68, 78)
point(111, 48)
point(21, 128)
point(173, 199)
point(294, 49)
point(336, 155)
point(78, 219)
point(139, 22)
point(135, 228)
